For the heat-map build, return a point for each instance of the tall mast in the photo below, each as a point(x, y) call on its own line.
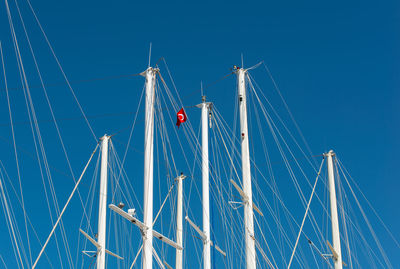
point(248, 204)
point(337, 255)
point(205, 178)
point(150, 75)
point(179, 224)
point(102, 221)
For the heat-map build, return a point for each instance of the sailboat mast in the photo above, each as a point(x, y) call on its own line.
point(102, 221)
point(179, 224)
point(248, 205)
point(205, 183)
point(150, 75)
point(334, 215)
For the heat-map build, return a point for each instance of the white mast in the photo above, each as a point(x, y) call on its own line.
point(102, 222)
point(147, 262)
point(337, 254)
point(205, 178)
point(179, 225)
point(248, 203)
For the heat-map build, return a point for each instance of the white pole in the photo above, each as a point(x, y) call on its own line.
point(334, 215)
point(179, 225)
point(248, 205)
point(205, 179)
point(147, 262)
point(102, 221)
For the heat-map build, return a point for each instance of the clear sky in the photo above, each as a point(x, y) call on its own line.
point(336, 64)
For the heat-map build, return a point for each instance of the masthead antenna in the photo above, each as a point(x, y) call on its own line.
point(201, 88)
point(149, 55)
point(242, 59)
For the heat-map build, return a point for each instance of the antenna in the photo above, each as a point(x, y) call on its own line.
point(149, 55)
point(201, 86)
point(242, 59)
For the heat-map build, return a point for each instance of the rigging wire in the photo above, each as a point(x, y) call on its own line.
point(369, 204)
point(276, 87)
point(342, 211)
point(2, 173)
point(78, 81)
point(166, 142)
point(10, 225)
point(380, 248)
point(48, 102)
point(65, 207)
point(305, 214)
point(88, 204)
point(12, 128)
point(61, 69)
point(1, 258)
point(274, 128)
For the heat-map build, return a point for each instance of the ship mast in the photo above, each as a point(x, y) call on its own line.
point(146, 227)
point(337, 254)
point(205, 233)
point(179, 224)
point(248, 203)
point(102, 220)
point(147, 262)
point(205, 106)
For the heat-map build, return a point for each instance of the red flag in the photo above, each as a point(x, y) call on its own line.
point(180, 117)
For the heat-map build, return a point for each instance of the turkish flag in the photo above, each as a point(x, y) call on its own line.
point(180, 117)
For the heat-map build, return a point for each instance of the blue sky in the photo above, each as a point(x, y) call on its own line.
point(335, 63)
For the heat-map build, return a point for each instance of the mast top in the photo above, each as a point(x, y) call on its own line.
point(181, 177)
point(105, 136)
point(203, 99)
point(236, 69)
point(149, 69)
point(330, 153)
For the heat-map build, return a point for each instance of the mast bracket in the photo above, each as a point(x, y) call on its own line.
point(244, 197)
point(143, 227)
